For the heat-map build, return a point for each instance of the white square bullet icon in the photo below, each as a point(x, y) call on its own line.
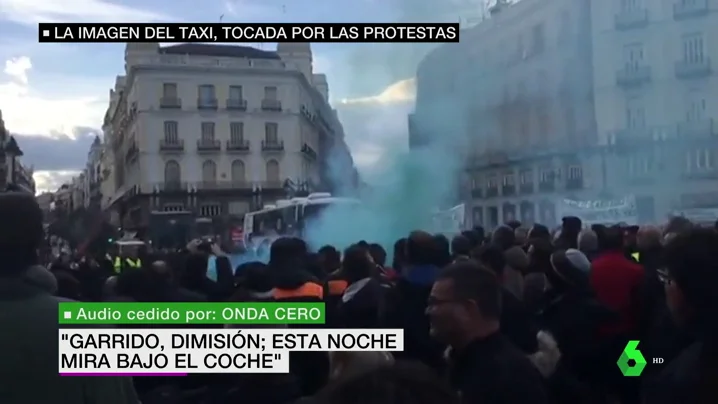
point(46, 32)
point(67, 315)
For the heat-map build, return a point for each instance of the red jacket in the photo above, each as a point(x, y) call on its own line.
point(616, 281)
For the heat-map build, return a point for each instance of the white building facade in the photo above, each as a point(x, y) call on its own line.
point(217, 130)
point(522, 81)
point(582, 99)
point(656, 105)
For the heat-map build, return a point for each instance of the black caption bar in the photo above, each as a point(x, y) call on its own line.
point(94, 33)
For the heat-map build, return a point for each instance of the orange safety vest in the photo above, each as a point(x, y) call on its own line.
point(309, 289)
point(337, 286)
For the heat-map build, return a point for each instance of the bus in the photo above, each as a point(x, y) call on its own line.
point(288, 217)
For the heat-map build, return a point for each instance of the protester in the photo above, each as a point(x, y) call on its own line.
point(465, 311)
point(690, 278)
point(588, 243)
point(405, 304)
point(28, 320)
point(516, 320)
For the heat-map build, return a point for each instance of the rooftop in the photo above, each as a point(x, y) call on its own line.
point(232, 51)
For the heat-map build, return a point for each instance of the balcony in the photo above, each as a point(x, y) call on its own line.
point(171, 186)
point(631, 19)
point(634, 76)
point(172, 146)
point(526, 188)
point(631, 137)
point(271, 105)
point(170, 103)
point(697, 129)
point(477, 193)
point(684, 10)
point(693, 69)
point(236, 104)
point(508, 190)
point(308, 152)
point(273, 146)
point(238, 146)
point(547, 186)
point(207, 103)
point(574, 184)
point(492, 192)
point(209, 145)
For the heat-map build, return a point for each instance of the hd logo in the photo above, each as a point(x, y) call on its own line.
point(631, 353)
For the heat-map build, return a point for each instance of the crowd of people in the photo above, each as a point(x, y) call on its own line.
point(517, 315)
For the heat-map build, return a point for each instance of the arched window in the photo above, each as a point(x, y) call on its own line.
point(272, 171)
point(238, 173)
point(209, 171)
point(173, 174)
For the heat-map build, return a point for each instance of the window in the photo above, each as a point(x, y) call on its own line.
point(630, 5)
point(270, 133)
point(704, 159)
point(236, 132)
point(206, 93)
point(171, 135)
point(270, 93)
point(635, 114)
point(693, 48)
point(169, 90)
point(538, 40)
point(492, 182)
point(508, 180)
point(272, 171)
point(210, 210)
point(209, 171)
point(633, 56)
point(546, 175)
point(575, 172)
point(238, 172)
point(235, 93)
point(526, 177)
point(696, 109)
point(521, 48)
point(173, 172)
point(208, 131)
point(639, 165)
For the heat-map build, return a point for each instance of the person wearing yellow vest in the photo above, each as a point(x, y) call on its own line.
point(129, 261)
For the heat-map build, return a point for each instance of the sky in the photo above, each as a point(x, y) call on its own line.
point(53, 96)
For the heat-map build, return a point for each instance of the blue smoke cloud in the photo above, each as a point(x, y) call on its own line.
point(404, 189)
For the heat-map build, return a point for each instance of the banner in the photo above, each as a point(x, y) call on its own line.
point(601, 211)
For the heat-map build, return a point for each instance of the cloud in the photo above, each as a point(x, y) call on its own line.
point(17, 68)
point(30, 12)
point(374, 131)
point(26, 111)
point(403, 91)
point(50, 181)
point(251, 10)
point(60, 153)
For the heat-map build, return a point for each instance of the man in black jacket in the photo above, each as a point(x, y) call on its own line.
point(464, 309)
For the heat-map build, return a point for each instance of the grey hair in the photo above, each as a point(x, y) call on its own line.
point(587, 241)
